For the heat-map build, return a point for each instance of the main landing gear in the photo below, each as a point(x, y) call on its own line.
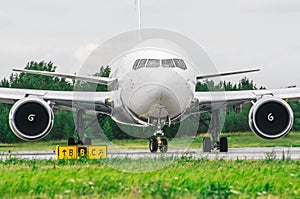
point(158, 142)
point(213, 143)
point(81, 127)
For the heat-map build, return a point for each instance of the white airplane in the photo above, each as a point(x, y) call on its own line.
point(150, 87)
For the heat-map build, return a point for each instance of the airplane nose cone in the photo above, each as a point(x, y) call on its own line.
point(147, 88)
point(147, 95)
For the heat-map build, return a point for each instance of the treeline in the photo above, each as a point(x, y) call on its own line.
point(64, 123)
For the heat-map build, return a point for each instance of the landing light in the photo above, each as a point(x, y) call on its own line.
point(108, 101)
point(194, 100)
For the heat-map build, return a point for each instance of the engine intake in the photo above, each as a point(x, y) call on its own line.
point(271, 118)
point(31, 118)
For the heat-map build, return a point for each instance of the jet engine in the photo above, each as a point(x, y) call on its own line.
point(271, 118)
point(31, 118)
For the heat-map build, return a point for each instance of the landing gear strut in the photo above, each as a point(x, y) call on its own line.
point(81, 127)
point(213, 143)
point(158, 142)
point(78, 134)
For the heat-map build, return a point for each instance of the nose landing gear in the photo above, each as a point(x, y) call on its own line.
point(158, 142)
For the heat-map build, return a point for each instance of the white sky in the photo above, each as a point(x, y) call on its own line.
point(237, 34)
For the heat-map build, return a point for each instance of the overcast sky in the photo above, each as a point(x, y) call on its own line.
point(237, 34)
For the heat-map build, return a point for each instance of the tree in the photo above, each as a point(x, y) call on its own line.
point(246, 84)
point(107, 130)
point(233, 122)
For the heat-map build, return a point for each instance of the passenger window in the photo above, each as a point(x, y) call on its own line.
point(153, 63)
point(167, 63)
point(135, 65)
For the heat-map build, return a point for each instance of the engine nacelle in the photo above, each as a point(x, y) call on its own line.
point(31, 118)
point(271, 118)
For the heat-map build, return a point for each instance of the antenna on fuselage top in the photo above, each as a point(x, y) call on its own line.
point(138, 4)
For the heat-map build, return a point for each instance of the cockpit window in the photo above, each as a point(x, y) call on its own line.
point(153, 63)
point(183, 66)
point(177, 63)
point(167, 63)
point(142, 63)
point(135, 65)
point(180, 64)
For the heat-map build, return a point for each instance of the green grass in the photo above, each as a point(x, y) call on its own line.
point(184, 178)
point(236, 140)
point(31, 146)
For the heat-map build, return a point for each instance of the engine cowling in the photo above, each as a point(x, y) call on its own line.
point(31, 118)
point(271, 118)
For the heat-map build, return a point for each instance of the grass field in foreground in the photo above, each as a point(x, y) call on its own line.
point(184, 178)
point(235, 140)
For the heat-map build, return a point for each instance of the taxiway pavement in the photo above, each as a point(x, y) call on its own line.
point(250, 153)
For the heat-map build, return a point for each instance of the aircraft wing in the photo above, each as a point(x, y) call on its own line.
point(91, 79)
point(207, 101)
point(226, 74)
point(65, 100)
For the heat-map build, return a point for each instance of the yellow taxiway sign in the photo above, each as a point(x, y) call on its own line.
point(80, 151)
point(97, 152)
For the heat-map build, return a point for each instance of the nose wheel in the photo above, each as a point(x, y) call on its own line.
point(153, 145)
point(158, 142)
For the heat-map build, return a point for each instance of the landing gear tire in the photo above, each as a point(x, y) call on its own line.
point(164, 146)
point(223, 144)
point(153, 145)
point(206, 144)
